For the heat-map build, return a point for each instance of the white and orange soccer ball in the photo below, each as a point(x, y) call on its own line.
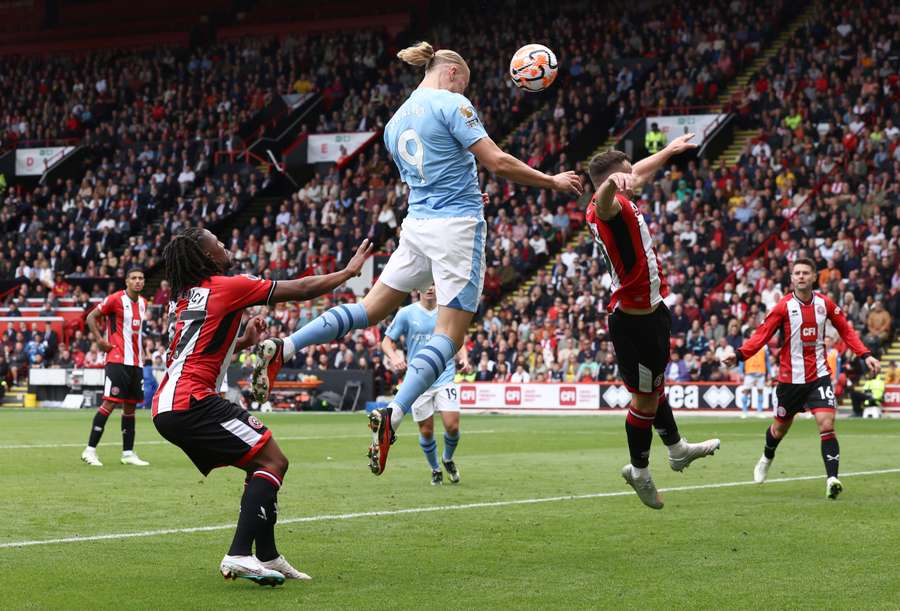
point(533, 68)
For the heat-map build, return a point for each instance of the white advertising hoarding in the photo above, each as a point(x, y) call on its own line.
point(488, 395)
point(332, 147)
point(676, 125)
point(34, 162)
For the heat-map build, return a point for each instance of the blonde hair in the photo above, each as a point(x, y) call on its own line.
point(423, 54)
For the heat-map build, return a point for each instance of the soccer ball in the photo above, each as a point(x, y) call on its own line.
point(533, 67)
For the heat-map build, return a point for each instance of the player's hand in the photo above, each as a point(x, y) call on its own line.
point(730, 360)
point(485, 199)
point(465, 366)
point(568, 182)
point(255, 326)
point(681, 144)
point(873, 364)
point(624, 181)
point(362, 253)
point(104, 345)
point(397, 362)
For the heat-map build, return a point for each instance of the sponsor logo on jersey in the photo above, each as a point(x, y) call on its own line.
point(809, 332)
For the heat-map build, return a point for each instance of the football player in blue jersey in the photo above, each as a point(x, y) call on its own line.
point(434, 138)
point(416, 324)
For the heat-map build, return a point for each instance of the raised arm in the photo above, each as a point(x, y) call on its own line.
point(506, 166)
point(311, 287)
point(645, 169)
point(760, 337)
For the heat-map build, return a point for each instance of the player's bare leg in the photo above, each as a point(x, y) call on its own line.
point(774, 434)
point(422, 371)
point(831, 451)
point(451, 440)
point(129, 456)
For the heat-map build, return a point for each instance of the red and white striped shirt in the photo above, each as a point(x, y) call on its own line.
point(124, 319)
point(627, 246)
point(803, 357)
point(203, 328)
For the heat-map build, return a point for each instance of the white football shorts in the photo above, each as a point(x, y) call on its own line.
point(446, 252)
point(443, 398)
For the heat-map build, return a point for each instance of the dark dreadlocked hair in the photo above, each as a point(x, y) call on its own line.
point(186, 263)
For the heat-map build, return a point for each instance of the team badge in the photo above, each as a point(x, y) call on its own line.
point(254, 422)
point(657, 381)
point(114, 390)
point(820, 310)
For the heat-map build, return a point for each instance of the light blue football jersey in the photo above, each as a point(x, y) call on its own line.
point(429, 137)
point(417, 324)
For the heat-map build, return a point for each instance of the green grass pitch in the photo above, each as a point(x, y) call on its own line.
point(781, 545)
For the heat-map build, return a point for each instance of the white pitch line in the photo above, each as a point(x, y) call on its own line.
point(160, 442)
point(390, 512)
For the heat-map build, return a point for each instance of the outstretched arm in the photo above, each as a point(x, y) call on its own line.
point(311, 287)
point(760, 337)
point(505, 165)
point(849, 335)
point(645, 169)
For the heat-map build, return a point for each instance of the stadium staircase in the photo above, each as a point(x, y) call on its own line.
point(15, 396)
point(892, 353)
point(733, 152)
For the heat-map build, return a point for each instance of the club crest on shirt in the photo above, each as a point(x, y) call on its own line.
point(114, 390)
point(254, 422)
point(820, 310)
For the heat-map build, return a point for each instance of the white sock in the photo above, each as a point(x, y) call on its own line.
point(287, 349)
point(127, 452)
point(396, 416)
point(640, 473)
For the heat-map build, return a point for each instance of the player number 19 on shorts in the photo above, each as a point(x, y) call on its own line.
point(451, 394)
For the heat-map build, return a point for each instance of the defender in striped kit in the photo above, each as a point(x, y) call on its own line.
point(205, 319)
point(124, 385)
point(804, 377)
point(640, 323)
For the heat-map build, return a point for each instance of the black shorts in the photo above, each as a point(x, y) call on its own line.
point(124, 384)
point(641, 342)
point(794, 398)
point(214, 433)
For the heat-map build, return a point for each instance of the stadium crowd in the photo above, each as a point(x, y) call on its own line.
point(823, 164)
